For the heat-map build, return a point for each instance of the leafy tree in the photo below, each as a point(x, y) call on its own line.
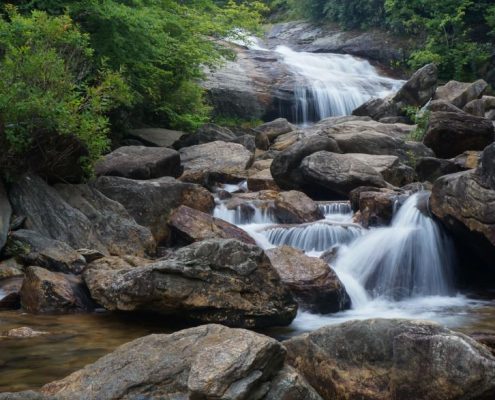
point(47, 91)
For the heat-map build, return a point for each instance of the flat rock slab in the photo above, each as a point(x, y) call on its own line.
point(140, 162)
point(157, 136)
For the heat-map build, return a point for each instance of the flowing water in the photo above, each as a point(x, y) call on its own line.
point(332, 84)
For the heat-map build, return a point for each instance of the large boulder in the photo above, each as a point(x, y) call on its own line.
point(275, 128)
point(375, 207)
point(215, 161)
point(466, 205)
point(416, 92)
point(206, 134)
point(33, 249)
point(150, 202)
point(386, 359)
point(431, 168)
point(5, 214)
point(207, 362)
point(50, 215)
point(116, 229)
point(487, 169)
point(10, 289)
point(51, 292)
point(312, 282)
point(224, 281)
point(284, 165)
point(461, 93)
point(158, 137)
point(334, 175)
point(189, 225)
point(449, 134)
point(139, 162)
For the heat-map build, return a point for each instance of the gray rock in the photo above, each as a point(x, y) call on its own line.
point(5, 214)
point(112, 223)
point(48, 214)
point(215, 161)
point(393, 359)
point(248, 141)
point(284, 165)
point(33, 249)
point(461, 93)
point(207, 362)
point(337, 174)
point(139, 162)
point(10, 289)
point(450, 134)
point(487, 169)
point(51, 292)
point(431, 168)
point(158, 137)
point(222, 281)
point(275, 128)
point(443, 105)
point(26, 395)
point(150, 202)
point(475, 107)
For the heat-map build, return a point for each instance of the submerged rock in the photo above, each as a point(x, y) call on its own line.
point(23, 332)
point(150, 202)
point(50, 292)
point(222, 281)
point(207, 362)
point(139, 162)
point(393, 359)
point(450, 134)
point(313, 283)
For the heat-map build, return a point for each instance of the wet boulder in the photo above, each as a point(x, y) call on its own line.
point(461, 93)
point(335, 175)
point(23, 332)
point(377, 207)
point(487, 169)
point(262, 180)
point(220, 280)
point(52, 292)
point(5, 214)
point(10, 289)
point(140, 162)
point(215, 162)
point(393, 359)
point(150, 202)
point(284, 165)
point(10, 268)
point(468, 160)
point(312, 282)
point(275, 128)
point(206, 362)
point(33, 249)
point(449, 134)
point(189, 225)
point(431, 168)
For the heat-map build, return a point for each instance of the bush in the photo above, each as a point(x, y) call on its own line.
point(49, 91)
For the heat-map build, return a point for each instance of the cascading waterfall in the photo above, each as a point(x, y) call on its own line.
point(411, 258)
point(318, 236)
point(243, 215)
point(332, 84)
point(337, 211)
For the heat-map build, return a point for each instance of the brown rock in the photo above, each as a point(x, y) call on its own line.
point(48, 292)
point(461, 93)
point(189, 225)
point(23, 332)
point(275, 128)
point(310, 279)
point(10, 289)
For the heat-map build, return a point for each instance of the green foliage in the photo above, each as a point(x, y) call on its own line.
point(45, 87)
point(161, 46)
point(421, 118)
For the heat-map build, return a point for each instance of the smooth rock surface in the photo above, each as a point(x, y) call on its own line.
point(158, 137)
point(313, 283)
point(222, 281)
point(274, 129)
point(461, 93)
point(140, 162)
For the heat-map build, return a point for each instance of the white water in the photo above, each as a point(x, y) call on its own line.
point(332, 84)
point(340, 212)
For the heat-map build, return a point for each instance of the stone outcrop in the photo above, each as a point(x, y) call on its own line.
point(189, 225)
point(206, 134)
point(275, 128)
point(313, 283)
point(431, 168)
point(140, 162)
point(150, 202)
point(393, 359)
point(33, 249)
point(51, 292)
point(207, 362)
point(461, 93)
point(222, 281)
point(450, 134)
point(215, 161)
point(158, 137)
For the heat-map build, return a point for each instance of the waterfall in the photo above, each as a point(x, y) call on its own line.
point(340, 211)
point(411, 258)
point(332, 84)
point(246, 214)
point(319, 236)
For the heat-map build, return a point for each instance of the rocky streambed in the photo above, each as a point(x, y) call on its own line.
point(285, 262)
